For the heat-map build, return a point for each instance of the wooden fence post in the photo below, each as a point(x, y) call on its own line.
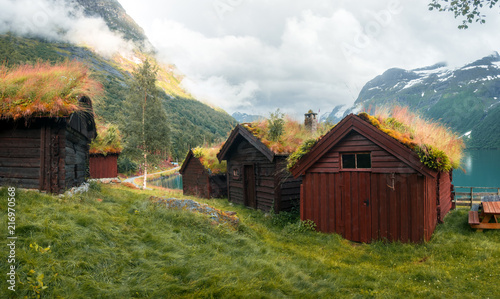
point(471, 196)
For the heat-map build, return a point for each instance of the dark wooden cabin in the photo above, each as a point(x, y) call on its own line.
point(257, 177)
point(365, 185)
point(46, 153)
point(199, 181)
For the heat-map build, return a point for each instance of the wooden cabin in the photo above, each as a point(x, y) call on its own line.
point(257, 177)
point(104, 152)
point(201, 181)
point(46, 125)
point(361, 183)
point(46, 153)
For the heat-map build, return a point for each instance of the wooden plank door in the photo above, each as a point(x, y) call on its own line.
point(249, 186)
point(356, 206)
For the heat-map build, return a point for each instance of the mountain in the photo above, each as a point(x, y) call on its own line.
point(192, 122)
point(115, 17)
point(466, 99)
point(336, 115)
point(245, 118)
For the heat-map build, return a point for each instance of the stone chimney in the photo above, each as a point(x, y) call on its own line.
point(310, 121)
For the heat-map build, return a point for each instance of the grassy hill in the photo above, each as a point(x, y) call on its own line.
point(112, 242)
point(192, 122)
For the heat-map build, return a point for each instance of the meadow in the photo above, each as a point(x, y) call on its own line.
point(113, 242)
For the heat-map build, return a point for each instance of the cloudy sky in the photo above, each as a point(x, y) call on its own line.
point(256, 55)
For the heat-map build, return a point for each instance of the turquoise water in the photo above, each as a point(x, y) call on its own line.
point(171, 182)
point(482, 169)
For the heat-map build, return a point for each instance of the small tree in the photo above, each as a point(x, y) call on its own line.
point(276, 124)
point(145, 123)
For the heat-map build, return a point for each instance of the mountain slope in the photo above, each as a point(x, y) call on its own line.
point(192, 123)
point(467, 99)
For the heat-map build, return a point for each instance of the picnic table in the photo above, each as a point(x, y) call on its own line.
point(490, 210)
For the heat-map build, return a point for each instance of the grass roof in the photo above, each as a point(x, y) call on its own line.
point(208, 158)
point(45, 90)
point(436, 145)
point(293, 134)
point(108, 140)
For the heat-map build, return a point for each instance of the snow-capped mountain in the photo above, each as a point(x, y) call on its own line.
point(467, 99)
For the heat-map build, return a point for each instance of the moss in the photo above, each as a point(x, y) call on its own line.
point(208, 158)
point(303, 149)
point(434, 158)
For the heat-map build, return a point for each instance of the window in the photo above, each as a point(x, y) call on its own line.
point(357, 161)
point(236, 173)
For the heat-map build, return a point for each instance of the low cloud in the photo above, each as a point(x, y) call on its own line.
point(57, 20)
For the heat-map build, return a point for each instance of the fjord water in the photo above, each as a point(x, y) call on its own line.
point(482, 169)
point(171, 182)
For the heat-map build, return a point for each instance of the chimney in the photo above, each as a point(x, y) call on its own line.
point(310, 121)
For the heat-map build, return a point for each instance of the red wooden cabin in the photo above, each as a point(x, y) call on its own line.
point(199, 181)
point(365, 185)
point(103, 166)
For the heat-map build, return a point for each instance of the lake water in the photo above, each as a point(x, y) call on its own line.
point(171, 182)
point(482, 169)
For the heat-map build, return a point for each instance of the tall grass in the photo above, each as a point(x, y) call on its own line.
point(43, 89)
point(294, 134)
point(437, 146)
point(108, 140)
point(114, 243)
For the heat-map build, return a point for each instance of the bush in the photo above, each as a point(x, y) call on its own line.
point(125, 165)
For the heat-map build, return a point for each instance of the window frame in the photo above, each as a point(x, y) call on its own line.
point(355, 161)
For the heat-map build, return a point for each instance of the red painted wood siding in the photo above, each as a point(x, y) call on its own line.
point(444, 195)
point(390, 201)
point(103, 166)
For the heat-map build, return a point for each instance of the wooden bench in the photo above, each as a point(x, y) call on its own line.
point(473, 218)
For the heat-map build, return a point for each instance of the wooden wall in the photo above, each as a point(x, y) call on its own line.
point(101, 166)
point(76, 158)
point(19, 155)
point(275, 188)
point(246, 154)
point(390, 201)
point(445, 189)
point(218, 185)
point(47, 155)
point(195, 179)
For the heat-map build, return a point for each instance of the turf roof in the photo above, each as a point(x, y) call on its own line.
point(108, 140)
point(208, 158)
point(45, 90)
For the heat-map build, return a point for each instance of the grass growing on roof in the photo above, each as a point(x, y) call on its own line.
point(108, 140)
point(113, 242)
point(291, 137)
point(437, 146)
point(208, 158)
point(44, 90)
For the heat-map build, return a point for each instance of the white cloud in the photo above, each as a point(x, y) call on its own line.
point(56, 20)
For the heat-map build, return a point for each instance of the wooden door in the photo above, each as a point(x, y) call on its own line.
point(356, 206)
point(249, 186)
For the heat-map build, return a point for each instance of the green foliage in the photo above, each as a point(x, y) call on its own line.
point(276, 123)
point(108, 140)
point(469, 10)
point(208, 158)
point(126, 165)
point(145, 123)
point(434, 158)
point(101, 247)
point(303, 149)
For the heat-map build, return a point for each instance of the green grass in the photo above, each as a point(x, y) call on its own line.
point(123, 247)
